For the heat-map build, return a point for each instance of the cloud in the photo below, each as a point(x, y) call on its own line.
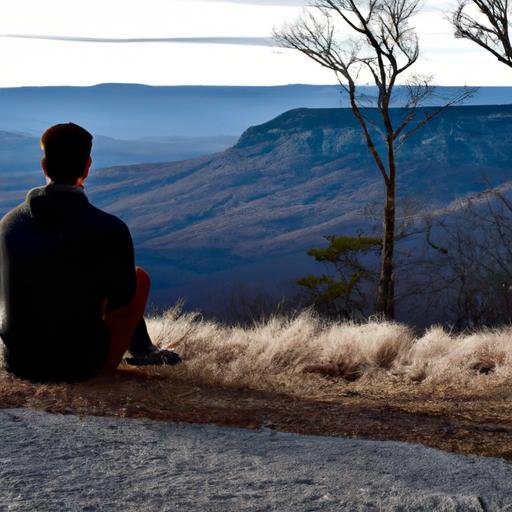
point(249, 41)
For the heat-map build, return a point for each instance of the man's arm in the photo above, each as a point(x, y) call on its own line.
point(120, 274)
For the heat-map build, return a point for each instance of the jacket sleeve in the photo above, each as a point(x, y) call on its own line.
point(120, 277)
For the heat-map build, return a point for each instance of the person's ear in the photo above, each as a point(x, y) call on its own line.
point(81, 179)
point(87, 167)
point(43, 166)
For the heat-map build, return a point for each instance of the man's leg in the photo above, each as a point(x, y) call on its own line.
point(141, 342)
point(122, 322)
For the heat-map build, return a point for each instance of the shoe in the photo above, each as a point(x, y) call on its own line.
point(155, 356)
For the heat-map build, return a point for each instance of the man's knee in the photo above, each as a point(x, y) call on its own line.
point(142, 276)
point(138, 301)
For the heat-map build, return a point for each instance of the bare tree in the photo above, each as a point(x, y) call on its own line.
point(383, 47)
point(463, 272)
point(486, 23)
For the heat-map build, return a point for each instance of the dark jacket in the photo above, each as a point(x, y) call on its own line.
point(59, 257)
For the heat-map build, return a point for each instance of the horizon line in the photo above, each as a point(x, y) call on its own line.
point(230, 40)
point(290, 84)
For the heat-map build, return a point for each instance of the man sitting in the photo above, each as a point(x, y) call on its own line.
point(72, 299)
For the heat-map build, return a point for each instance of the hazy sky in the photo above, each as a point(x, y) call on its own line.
point(209, 42)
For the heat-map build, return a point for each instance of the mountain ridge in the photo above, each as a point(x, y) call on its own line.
point(127, 111)
point(300, 161)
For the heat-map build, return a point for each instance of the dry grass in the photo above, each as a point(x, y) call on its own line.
point(287, 353)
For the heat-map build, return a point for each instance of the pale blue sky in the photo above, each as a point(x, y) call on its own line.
point(209, 42)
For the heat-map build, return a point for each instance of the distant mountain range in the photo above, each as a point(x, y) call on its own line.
point(125, 111)
point(20, 153)
point(247, 214)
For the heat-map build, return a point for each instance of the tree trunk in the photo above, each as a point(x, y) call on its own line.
point(386, 293)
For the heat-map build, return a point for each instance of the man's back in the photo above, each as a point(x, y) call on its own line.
point(60, 256)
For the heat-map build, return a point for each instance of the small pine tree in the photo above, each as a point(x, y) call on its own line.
point(341, 296)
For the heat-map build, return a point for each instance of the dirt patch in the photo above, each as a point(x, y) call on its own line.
point(475, 423)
